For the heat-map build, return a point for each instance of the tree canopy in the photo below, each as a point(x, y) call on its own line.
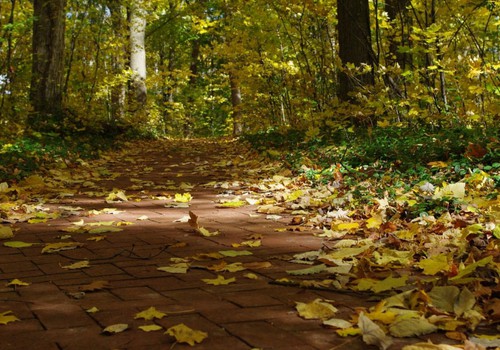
point(270, 65)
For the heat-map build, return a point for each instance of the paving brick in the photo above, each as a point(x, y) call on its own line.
point(250, 299)
point(61, 315)
point(264, 335)
point(135, 293)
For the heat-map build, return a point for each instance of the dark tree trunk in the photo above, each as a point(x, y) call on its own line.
point(48, 61)
point(397, 9)
point(354, 44)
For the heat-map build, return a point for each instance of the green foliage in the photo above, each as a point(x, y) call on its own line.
point(21, 157)
point(413, 154)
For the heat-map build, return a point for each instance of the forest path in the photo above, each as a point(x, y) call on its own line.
point(133, 193)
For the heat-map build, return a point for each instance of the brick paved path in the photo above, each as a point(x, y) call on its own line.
point(250, 313)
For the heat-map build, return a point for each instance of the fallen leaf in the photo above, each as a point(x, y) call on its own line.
point(317, 309)
point(150, 328)
point(234, 253)
point(193, 220)
point(351, 331)
point(430, 346)
point(57, 247)
point(435, 264)
point(183, 198)
point(92, 310)
point(220, 280)
point(337, 323)
point(6, 317)
point(185, 218)
point(308, 271)
point(184, 334)
point(78, 265)
point(96, 238)
point(6, 232)
point(349, 226)
point(444, 297)
point(16, 283)
point(375, 221)
point(389, 283)
point(150, 314)
point(251, 276)
point(104, 229)
point(175, 268)
point(252, 243)
point(18, 244)
point(115, 328)
point(411, 327)
point(232, 204)
point(142, 218)
point(257, 265)
point(93, 286)
point(116, 196)
point(372, 333)
point(206, 233)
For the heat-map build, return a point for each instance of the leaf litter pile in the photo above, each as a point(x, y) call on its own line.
point(427, 252)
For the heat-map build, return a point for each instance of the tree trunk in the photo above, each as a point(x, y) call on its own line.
point(354, 44)
point(236, 104)
point(118, 90)
point(138, 55)
point(48, 62)
point(397, 9)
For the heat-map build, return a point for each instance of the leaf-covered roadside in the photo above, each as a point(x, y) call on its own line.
point(423, 238)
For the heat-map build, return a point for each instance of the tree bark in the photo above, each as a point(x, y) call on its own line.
point(138, 55)
point(354, 44)
point(48, 60)
point(118, 90)
point(236, 104)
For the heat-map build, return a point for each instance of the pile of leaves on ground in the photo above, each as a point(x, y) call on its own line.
point(422, 242)
point(417, 214)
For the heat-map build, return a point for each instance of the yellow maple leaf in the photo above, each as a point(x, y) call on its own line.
point(232, 204)
point(92, 310)
point(184, 334)
point(375, 221)
point(78, 265)
point(252, 243)
point(251, 276)
point(175, 268)
point(115, 328)
point(206, 233)
point(348, 226)
point(379, 313)
point(150, 328)
point(56, 247)
point(183, 198)
point(18, 244)
point(389, 283)
point(6, 232)
point(150, 314)
point(15, 282)
point(317, 309)
point(435, 264)
point(220, 280)
point(346, 332)
point(116, 196)
point(6, 317)
point(96, 238)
